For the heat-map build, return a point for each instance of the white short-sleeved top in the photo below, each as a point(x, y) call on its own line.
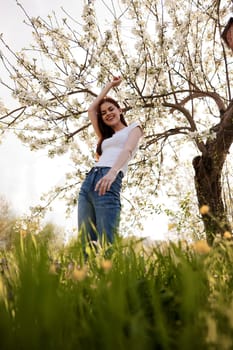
point(112, 147)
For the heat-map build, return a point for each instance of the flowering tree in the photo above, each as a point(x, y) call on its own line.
point(176, 75)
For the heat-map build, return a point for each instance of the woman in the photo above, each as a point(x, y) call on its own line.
point(99, 198)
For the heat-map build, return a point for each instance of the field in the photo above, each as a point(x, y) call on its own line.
point(168, 296)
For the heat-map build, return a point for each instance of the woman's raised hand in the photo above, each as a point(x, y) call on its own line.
point(116, 81)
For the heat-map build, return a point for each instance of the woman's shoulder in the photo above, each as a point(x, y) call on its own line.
point(134, 124)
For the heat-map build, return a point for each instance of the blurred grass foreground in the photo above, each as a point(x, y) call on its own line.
point(172, 296)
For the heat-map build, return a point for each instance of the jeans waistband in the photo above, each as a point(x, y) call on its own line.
point(99, 168)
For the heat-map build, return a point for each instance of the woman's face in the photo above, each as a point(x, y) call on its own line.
point(111, 115)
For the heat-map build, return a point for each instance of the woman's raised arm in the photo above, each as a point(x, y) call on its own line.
point(92, 110)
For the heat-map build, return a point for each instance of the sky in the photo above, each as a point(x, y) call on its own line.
point(26, 175)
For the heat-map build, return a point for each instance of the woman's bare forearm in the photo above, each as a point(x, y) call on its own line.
point(92, 110)
point(127, 151)
point(115, 82)
point(102, 94)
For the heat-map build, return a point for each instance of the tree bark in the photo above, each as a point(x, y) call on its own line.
point(208, 172)
point(209, 192)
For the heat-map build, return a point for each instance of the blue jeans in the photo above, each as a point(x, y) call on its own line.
point(99, 216)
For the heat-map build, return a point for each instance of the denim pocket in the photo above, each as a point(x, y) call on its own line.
point(117, 184)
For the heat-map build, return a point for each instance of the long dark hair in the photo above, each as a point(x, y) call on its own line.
point(106, 130)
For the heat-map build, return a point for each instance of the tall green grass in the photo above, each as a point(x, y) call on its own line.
point(158, 297)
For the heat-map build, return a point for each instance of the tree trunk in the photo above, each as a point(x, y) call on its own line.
point(208, 171)
point(209, 192)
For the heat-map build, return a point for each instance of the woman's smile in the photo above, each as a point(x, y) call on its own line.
point(110, 117)
point(110, 113)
